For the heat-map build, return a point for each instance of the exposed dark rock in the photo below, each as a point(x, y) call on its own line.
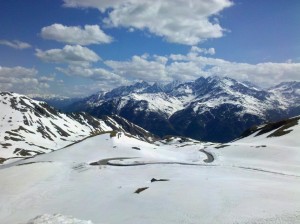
point(139, 190)
point(155, 180)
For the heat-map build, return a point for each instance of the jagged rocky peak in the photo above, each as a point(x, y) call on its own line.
point(125, 90)
point(172, 85)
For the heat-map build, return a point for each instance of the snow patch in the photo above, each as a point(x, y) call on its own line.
point(56, 219)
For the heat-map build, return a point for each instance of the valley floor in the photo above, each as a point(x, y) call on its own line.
point(119, 187)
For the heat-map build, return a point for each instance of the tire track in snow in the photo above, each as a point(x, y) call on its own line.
point(265, 171)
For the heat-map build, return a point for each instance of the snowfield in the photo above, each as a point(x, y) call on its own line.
point(120, 179)
point(57, 218)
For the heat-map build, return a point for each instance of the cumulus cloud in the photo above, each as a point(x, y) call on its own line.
point(69, 54)
point(262, 74)
point(89, 34)
point(197, 50)
point(192, 65)
point(16, 44)
point(20, 79)
point(49, 78)
point(178, 21)
point(141, 67)
point(98, 74)
point(98, 79)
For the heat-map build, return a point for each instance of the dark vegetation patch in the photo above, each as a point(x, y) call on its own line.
point(185, 145)
point(2, 160)
point(13, 133)
point(139, 190)
point(41, 111)
point(113, 134)
point(182, 140)
point(13, 139)
point(137, 148)
point(22, 164)
point(94, 163)
point(49, 130)
point(280, 125)
point(42, 147)
point(221, 146)
point(5, 145)
point(155, 180)
point(261, 146)
point(21, 128)
point(14, 104)
point(44, 133)
point(84, 118)
point(25, 152)
point(283, 130)
point(168, 138)
point(49, 109)
point(60, 130)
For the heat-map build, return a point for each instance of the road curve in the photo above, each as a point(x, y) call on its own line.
point(210, 157)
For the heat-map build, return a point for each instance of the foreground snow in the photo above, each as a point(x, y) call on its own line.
point(193, 191)
point(57, 219)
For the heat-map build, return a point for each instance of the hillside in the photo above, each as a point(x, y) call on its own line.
point(273, 147)
point(29, 127)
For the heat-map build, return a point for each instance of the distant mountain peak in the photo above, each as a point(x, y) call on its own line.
point(200, 109)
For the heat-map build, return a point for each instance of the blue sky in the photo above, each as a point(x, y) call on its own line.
point(78, 47)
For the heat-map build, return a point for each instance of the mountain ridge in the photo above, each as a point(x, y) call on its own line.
point(29, 127)
point(215, 106)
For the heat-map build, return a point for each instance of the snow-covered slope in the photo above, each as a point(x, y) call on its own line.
point(120, 179)
point(289, 95)
point(56, 219)
point(191, 109)
point(274, 147)
point(29, 127)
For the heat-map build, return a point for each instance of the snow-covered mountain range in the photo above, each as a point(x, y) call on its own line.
point(210, 109)
point(29, 127)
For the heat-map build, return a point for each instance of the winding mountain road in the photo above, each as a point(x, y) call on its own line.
point(107, 161)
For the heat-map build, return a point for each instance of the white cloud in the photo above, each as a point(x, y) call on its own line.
point(98, 74)
point(96, 79)
point(141, 68)
point(191, 66)
point(262, 74)
point(19, 45)
point(69, 54)
point(20, 79)
point(89, 34)
point(186, 22)
point(197, 50)
point(49, 78)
